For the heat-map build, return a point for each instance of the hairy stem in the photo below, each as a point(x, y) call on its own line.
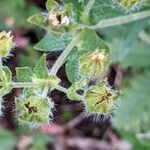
point(88, 8)
point(45, 91)
point(61, 59)
point(121, 20)
point(62, 89)
point(31, 85)
point(22, 84)
point(144, 36)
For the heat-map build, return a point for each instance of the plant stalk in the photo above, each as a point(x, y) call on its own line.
point(88, 8)
point(121, 20)
point(61, 59)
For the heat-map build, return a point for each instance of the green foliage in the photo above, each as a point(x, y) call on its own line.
point(8, 140)
point(51, 42)
point(26, 58)
point(37, 20)
point(129, 5)
point(40, 70)
point(17, 11)
point(24, 74)
point(137, 144)
point(133, 110)
point(103, 10)
point(40, 141)
point(51, 4)
point(126, 47)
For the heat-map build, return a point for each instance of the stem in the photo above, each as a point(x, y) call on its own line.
point(88, 8)
point(64, 55)
point(22, 84)
point(121, 20)
point(45, 91)
point(62, 89)
point(30, 85)
point(144, 36)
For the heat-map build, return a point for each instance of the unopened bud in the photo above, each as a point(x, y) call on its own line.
point(92, 64)
point(6, 43)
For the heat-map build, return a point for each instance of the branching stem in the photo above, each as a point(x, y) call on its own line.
point(31, 85)
point(121, 20)
point(61, 59)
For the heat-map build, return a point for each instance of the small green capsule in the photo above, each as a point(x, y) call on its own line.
point(100, 98)
point(6, 43)
point(34, 110)
point(92, 64)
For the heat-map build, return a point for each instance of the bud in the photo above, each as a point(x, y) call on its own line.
point(5, 81)
point(54, 19)
point(100, 98)
point(6, 43)
point(59, 18)
point(92, 64)
point(34, 110)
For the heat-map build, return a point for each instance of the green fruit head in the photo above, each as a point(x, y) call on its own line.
point(92, 64)
point(100, 99)
point(34, 110)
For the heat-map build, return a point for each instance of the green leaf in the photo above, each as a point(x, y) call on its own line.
point(53, 43)
point(123, 42)
point(133, 112)
point(51, 4)
point(17, 10)
point(137, 144)
point(38, 20)
point(78, 6)
point(90, 41)
point(72, 67)
point(40, 70)
point(7, 141)
point(103, 9)
point(40, 141)
point(24, 74)
point(138, 54)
